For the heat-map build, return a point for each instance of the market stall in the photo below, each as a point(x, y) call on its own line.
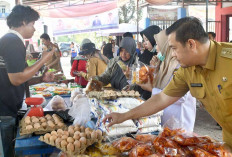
point(85, 133)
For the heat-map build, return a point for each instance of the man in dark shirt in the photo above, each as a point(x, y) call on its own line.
point(14, 72)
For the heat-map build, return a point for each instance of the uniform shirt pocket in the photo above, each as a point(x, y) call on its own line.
point(197, 92)
point(226, 92)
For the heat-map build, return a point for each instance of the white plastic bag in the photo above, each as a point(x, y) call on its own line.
point(74, 93)
point(80, 110)
point(57, 103)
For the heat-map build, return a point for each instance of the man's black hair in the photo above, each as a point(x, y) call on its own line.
point(21, 14)
point(45, 36)
point(127, 34)
point(213, 34)
point(188, 28)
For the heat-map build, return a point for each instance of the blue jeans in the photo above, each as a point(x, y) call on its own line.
point(7, 133)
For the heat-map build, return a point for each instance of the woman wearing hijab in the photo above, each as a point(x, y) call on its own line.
point(184, 110)
point(96, 62)
point(149, 43)
point(149, 52)
point(116, 67)
point(108, 50)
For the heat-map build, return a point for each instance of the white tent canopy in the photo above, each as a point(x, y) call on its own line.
point(123, 28)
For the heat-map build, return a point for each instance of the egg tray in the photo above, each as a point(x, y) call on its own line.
point(111, 95)
point(41, 130)
point(80, 149)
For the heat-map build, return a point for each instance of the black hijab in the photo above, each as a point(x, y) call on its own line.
point(149, 32)
point(107, 51)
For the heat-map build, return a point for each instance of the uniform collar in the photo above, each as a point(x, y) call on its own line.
point(212, 57)
point(210, 64)
point(16, 33)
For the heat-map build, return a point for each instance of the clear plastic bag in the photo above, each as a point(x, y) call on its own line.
point(141, 73)
point(80, 110)
point(57, 103)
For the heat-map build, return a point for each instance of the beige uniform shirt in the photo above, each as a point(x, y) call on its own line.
point(211, 84)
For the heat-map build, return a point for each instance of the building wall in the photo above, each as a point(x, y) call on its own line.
point(8, 5)
point(221, 14)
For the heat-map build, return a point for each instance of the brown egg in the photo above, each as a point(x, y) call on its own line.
point(58, 140)
point(83, 141)
point(77, 145)
point(51, 124)
point(99, 134)
point(66, 133)
point(70, 147)
point(42, 119)
point(64, 137)
point(27, 121)
point(76, 132)
point(44, 124)
point(60, 124)
point(47, 136)
point(94, 135)
point(60, 131)
point(71, 127)
point(70, 140)
point(29, 127)
point(54, 133)
point(82, 134)
point(63, 144)
point(82, 128)
point(54, 116)
point(27, 118)
point(88, 134)
point(32, 117)
point(35, 120)
point(77, 128)
point(48, 117)
point(76, 136)
point(71, 132)
point(88, 129)
point(36, 125)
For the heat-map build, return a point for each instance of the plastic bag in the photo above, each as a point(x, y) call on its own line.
point(125, 144)
point(146, 138)
point(74, 93)
point(80, 110)
point(57, 103)
point(141, 150)
point(148, 122)
point(141, 72)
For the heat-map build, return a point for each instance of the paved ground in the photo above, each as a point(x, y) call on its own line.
point(206, 125)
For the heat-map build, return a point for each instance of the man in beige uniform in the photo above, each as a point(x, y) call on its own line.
point(205, 71)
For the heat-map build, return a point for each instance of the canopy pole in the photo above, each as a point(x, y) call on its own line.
point(137, 20)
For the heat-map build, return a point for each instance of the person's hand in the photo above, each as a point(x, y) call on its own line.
point(29, 56)
point(113, 118)
point(127, 72)
point(48, 77)
point(146, 86)
point(46, 56)
point(154, 61)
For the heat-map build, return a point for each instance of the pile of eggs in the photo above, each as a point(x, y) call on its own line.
point(73, 141)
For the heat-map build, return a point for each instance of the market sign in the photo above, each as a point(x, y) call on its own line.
point(102, 21)
point(162, 14)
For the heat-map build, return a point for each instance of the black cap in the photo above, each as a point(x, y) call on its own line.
point(88, 48)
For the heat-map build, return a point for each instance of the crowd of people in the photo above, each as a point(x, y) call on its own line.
point(188, 66)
